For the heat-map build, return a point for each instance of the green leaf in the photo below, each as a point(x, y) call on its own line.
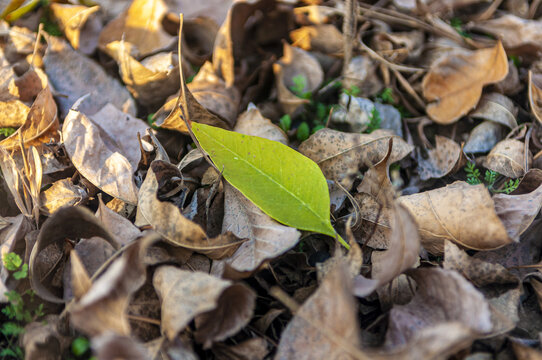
point(7, 131)
point(21, 274)
point(303, 132)
point(11, 329)
point(80, 346)
point(285, 122)
point(12, 261)
point(284, 184)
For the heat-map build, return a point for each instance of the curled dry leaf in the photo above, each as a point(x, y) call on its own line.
point(123, 128)
point(186, 295)
point(212, 93)
point(150, 81)
point(102, 309)
point(497, 108)
point(518, 211)
point(508, 158)
point(168, 221)
point(294, 63)
point(198, 39)
point(340, 155)
point(40, 126)
point(122, 228)
point(455, 81)
point(442, 296)
point(98, 157)
point(42, 340)
point(74, 75)
point(251, 122)
point(479, 272)
point(67, 222)
point(483, 137)
point(267, 238)
point(517, 35)
point(139, 25)
point(441, 214)
point(326, 326)
point(442, 160)
point(61, 193)
point(80, 25)
point(535, 95)
point(325, 38)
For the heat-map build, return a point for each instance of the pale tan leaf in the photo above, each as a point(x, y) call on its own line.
point(508, 158)
point(253, 123)
point(442, 160)
point(497, 108)
point(80, 25)
point(61, 193)
point(455, 81)
point(441, 214)
point(535, 95)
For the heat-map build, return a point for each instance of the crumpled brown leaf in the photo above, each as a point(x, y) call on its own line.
point(443, 213)
point(441, 161)
point(150, 81)
point(74, 75)
point(267, 238)
point(140, 25)
point(185, 295)
point(508, 158)
point(326, 326)
point(340, 155)
point(98, 157)
point(455, 81)
point(168, 221)
point(442, 296)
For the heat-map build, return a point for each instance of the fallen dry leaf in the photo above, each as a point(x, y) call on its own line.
point(455, 81)
point(442, 160)
point(252, 122)
point(508, 158)
point(442, 213)
point(80, 25)
point(61, 193)
point(497, 108)
point(535, 95)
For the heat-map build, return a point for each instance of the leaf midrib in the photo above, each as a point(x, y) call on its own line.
point(270, 178)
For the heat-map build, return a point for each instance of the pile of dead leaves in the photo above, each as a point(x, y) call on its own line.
point(284, 179)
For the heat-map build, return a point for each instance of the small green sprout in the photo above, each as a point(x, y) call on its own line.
point(303, 132)
point(352, 91)
point(374, 121)
point(285, 122)
point(490, 177)
point(300, 83)
point(386, 96)
point(7, 131)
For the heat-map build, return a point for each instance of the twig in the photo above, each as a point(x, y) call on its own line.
point(349, 31)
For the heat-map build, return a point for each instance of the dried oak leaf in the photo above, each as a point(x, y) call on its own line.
point(340, 155)
point(167, 220)
point(518, 210)
point(295, 63)
point(442, 160)
point(442, 296)
point(41, 124)
point(73, 75)
point(98, 157)
point(80, 25)
point(455, 81)
point(442, 214)
point(267, 238)
point(326, 325)
point(508, 158)
point(150, 81)
point(66, 223)
point(139, 25)
point(252, 122)
point(186, 295)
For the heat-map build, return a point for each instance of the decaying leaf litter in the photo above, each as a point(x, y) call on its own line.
point(286, 179)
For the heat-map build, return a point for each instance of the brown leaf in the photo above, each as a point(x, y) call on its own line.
point(477, 271)
point(340, 155)
point(518, 211)
point(443, 296)
point(326, 326)
point(168, 221)
point(455, 81)
point(102, 309)
point(508, 158)
point(442, 213)
point(296, 62)
point(253, 123)
point(15, 113)
point(98, 157)
point(267, 238)
point(41, 340)
point(442, 160)
point(518, 35)
point(41, 124)
point(253, 349)
point(111, 346)
point(140, 25)
point(61, 193)
point(80, 280)
point(216, 10)
point(325, 38)
point(362, 73)
point(497, 108)
point(150, 81)
point(74, 75)
point(68, 222)
point(80, 25)
point(483, 137)
point(198, 293)
point(535, 94)
point(123, 229)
